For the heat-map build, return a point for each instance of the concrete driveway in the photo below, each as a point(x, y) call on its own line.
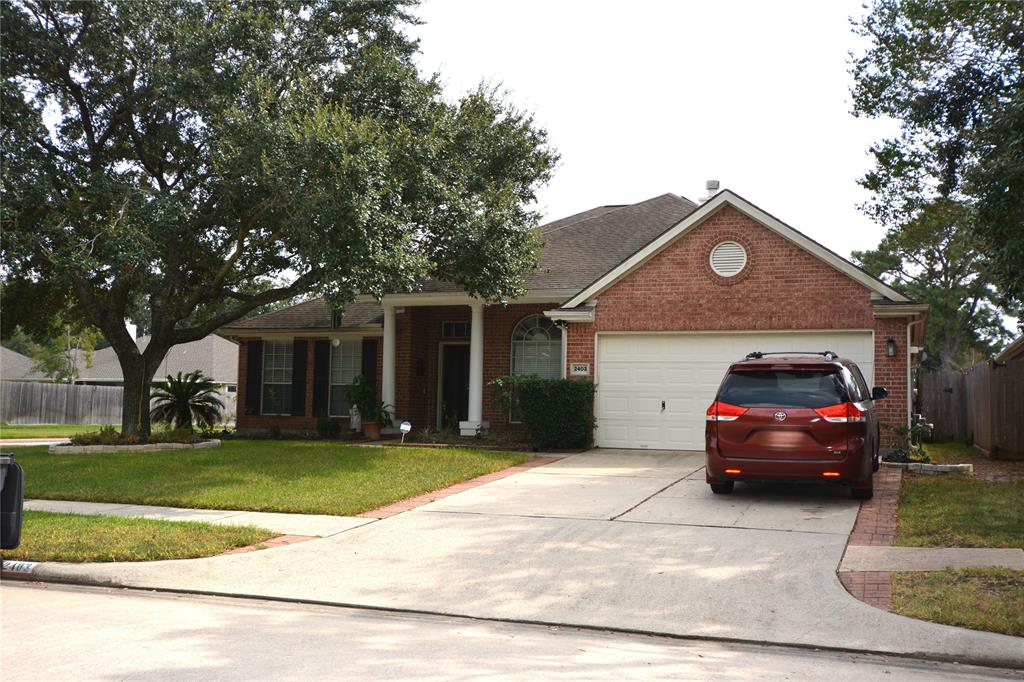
point(619, 539)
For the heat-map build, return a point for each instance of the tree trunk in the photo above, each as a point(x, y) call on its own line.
point(135, 404)
point(138, 370)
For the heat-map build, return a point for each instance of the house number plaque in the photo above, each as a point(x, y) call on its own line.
point(579, 369)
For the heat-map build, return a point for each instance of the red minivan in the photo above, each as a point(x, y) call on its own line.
point(793, 416)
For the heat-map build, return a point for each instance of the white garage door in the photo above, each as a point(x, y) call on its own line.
point(653, 389)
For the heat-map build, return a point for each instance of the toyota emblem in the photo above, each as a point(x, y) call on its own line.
point(780, 416)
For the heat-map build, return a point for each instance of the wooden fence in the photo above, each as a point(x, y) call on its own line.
point(983, 407)
point(31, 402)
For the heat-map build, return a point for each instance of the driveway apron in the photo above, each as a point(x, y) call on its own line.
point(621, 539)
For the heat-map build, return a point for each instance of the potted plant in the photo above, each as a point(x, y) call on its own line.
point(380, 417)
point(363, 396)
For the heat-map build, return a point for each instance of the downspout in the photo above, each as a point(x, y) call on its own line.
point(910, 389)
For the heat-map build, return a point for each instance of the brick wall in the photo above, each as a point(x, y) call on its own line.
point(291, 424)
point(892, 374)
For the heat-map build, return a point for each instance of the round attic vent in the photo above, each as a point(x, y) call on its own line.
point(728, 259)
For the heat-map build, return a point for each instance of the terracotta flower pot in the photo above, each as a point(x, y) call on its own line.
point(371, 430)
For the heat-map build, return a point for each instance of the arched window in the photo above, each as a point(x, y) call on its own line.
point(537, 347)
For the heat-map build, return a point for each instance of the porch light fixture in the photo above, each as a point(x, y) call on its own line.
point(890, 347)
point(335, 342)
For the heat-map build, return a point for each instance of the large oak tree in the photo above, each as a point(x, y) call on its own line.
point(198, 159)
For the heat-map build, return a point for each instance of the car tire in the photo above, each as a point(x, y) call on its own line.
point(876, 463)
point(722, 488)
point(862, 493)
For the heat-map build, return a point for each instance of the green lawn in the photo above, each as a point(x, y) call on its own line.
point(47, 536)
point(314, 477)
point(45, 430)
point(952, 453)
point(989, 599)
point(960, 511)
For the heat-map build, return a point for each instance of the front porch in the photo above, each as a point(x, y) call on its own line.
point(430, 358)
point(438, 360)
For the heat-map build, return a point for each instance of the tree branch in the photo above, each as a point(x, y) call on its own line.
point(269, 296)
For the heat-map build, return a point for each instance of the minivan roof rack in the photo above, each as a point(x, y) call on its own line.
point(757, 355)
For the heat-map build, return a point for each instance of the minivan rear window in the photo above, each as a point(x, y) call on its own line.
point(775, 388)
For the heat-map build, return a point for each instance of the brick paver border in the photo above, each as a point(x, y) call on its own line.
point(426, 498)
point(279, 541)
point(875, 526)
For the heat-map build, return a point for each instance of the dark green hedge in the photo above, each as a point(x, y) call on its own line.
point(558, 413)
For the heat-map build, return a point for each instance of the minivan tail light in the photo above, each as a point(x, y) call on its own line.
point(844, 412)
point(724, 412)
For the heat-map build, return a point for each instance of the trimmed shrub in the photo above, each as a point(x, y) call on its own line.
point(557, 413)
point(327, 427)
point(108, 435)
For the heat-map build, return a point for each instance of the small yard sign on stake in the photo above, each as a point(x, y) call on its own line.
point(405, 427)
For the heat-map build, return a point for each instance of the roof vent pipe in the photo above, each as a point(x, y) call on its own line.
point(712, 187)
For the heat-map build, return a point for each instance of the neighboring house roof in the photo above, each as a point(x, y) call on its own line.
point(1014, 351)
point(214, 356)
point(17, 367)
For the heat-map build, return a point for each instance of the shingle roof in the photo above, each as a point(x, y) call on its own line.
point(17, 367)
point(215, 356)
point(315, 314)
point(577, 250)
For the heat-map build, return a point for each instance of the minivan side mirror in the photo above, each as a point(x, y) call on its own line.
point(877, 393)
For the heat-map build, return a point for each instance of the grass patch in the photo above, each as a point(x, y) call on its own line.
point(312, 477)
point(959, 511)
point(46, 430)
point(48, 536)
point(952, 453)
point(989, 599)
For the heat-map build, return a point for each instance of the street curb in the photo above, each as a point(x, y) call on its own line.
point(1004, 664)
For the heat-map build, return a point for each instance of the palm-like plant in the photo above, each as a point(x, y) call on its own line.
point(186, 399)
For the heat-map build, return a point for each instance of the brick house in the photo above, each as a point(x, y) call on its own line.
point(650, 300)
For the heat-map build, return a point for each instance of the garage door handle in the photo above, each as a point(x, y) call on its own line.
point(662, 405)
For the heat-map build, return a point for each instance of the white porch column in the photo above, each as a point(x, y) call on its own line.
point(475, 422)
point(388, 365)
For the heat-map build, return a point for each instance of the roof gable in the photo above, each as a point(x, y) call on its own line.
point(697, 217)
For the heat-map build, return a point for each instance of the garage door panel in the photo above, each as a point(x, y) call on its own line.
point(635, 373)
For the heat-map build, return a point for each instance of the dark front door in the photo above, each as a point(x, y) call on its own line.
point(454, 385)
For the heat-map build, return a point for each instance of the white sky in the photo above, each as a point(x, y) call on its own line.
point(646, 96)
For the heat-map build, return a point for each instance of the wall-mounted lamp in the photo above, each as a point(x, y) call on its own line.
point(890, 347)
point(335, 342)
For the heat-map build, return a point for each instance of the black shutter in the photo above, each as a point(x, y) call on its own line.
point(369, 361)
point(253, 375)
point(321, 377)
point(299, 378)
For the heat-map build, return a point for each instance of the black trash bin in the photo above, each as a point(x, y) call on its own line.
point(12, 500)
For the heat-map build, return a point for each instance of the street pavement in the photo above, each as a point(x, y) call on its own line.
point(611, 539)
point(54, 632)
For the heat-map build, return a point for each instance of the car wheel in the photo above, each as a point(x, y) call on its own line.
point(876, 463)
point(862, 493)
point(722, 488)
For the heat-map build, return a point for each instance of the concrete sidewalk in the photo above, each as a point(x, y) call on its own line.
point(16, 442)
point(286, 524)
point(867, 558)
